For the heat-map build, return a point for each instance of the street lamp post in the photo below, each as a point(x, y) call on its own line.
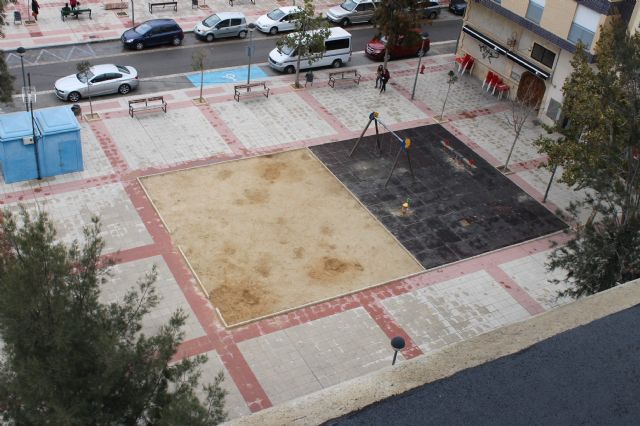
point(424, 36)
point(33, 130)
point(21, 51)
point(251, 27)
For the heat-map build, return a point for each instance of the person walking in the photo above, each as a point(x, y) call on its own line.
point(379, 73)
point(385, 78)
point(35, 7)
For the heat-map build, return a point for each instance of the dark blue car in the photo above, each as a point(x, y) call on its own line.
point(153, 33)
point(458, 7)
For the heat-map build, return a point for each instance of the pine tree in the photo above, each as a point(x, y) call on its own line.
point(6, 79)
point(69, 359)
point(599, 150)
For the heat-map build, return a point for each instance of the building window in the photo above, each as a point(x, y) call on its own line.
point(542, 55)
point(497, 1)
point(534, 11)
point(584, 26)
point(553, 110)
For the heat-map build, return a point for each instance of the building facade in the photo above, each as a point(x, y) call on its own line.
point(529, 43)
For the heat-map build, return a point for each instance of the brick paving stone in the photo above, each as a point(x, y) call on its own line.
point(71, 211)
point(159, 139)
point(282, 118)
point(454, 310)
point(531, 275)
point(126, 276)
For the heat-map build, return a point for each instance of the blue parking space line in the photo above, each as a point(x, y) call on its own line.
point(236, 76)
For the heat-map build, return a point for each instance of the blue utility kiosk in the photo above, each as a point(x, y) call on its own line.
point(57, 139)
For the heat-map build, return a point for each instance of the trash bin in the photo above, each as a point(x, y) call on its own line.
point(77, 110)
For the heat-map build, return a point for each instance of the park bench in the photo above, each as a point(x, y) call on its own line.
point(250, 90)
point(163, 4)
point(347, 76)
point(67, 11)
point(147, 104)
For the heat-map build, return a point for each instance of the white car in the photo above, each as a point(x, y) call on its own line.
point(103, 80)
point(280, 19)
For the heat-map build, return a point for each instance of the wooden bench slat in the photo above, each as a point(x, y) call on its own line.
point(245, 90)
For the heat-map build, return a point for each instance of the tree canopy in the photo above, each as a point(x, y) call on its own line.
point(66, 358)
point(599, 150)
point(395, 19)
point(307, 40)
point(6, 79)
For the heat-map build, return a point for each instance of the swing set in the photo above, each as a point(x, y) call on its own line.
point(405, 144)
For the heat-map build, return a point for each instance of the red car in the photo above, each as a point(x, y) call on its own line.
point(404, 48)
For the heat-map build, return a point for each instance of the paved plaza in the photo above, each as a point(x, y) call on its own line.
point(284, 357)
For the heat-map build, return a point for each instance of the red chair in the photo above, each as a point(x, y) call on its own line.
point(487, 79)
point(502, 89)
point(460, 60)
point(468, 66)
point(493, 82)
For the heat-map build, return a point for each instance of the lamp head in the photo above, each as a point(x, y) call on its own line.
point(21, 50)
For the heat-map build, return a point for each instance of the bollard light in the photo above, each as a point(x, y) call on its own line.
point(397, 343)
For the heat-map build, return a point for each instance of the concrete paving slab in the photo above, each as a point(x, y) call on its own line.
point(454, 310)
point(126, 275)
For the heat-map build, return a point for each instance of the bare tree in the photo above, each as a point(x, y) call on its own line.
point(521, 108)
point(84, 68)
point(452, 79)
point(198, 60)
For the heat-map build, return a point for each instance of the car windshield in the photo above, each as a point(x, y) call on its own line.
point(275, 15)
point(83, 78)
point(349, 5)
point(288, 50)
point(142, 29)
point(211, 21)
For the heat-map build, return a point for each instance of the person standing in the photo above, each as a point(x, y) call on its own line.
point(35, 7)
point(385, 78)
point(379, 73)
point(73, 3)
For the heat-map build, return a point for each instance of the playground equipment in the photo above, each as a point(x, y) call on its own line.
point(405, 144)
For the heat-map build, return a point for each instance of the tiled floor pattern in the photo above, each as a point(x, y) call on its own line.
point(280, 358)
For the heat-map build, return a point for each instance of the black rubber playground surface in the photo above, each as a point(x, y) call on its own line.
point(460, 206)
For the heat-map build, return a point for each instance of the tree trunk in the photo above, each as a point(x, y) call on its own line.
point(445, 102)
point(201, 82)
point(297, 84)
point(513, 145)
point(89, 94)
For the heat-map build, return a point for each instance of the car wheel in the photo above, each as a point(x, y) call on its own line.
point(337, 63)
point(209, 38)
point(74, 97)
point(433, 15)
point(124, 89)
point(177, 41)
point(242, 34)
point(273, 31)
point(290, 69)
point(345, 22)
point(139, 45)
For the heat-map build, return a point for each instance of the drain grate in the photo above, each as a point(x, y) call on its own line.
point(123, 14)
point(30, 22)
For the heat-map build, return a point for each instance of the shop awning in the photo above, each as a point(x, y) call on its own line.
point(539, 72)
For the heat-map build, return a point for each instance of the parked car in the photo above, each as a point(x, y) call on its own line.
point(103, 80)
point(220, 25)
point(152, 33)
point(406, 46)
point(353, 11)
point(428, 9)
point(458, 7)
point(280, 19)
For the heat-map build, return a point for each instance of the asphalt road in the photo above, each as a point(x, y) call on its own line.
point(170, 63)
point(588, 375)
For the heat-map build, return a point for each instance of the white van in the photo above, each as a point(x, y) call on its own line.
point(337, 53)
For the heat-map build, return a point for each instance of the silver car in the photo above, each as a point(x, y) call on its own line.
point(103, 80)
point(353, 12)
point(219, 25)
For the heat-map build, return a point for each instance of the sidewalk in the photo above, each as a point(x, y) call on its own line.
point(281, 358)
point(106, 24)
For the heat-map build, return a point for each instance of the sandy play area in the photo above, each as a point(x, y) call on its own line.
point(272, 233)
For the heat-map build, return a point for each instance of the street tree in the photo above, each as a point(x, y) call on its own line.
point(307, 40)
point(599, 150)
point(451, 79)
point(84, 68)
point(395, 20)
point(66, 358)
point(198, 64)
point(521, 108)
point(6, 79)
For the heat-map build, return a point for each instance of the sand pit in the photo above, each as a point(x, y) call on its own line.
point(273, 233)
